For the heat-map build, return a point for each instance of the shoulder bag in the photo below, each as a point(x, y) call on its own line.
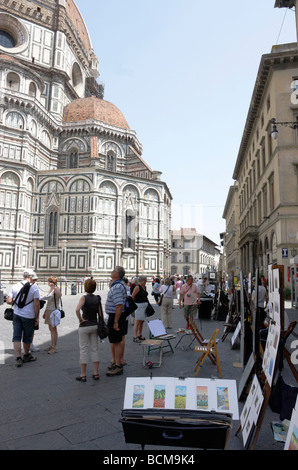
point(162, 295)
point(130, 306)
point(149, 310)
point(8, 312)
point(60, 309)
point(102, 328)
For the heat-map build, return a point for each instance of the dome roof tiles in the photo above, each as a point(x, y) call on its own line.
point(96, 109)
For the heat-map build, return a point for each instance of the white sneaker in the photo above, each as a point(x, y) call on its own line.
point(34, 348)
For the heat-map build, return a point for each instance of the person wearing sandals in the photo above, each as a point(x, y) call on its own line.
point(90, 306)
point(140, 296)
point(53, 299)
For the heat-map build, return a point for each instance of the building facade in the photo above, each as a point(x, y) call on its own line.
point(76, 196)
point(266, 169)
point(192, 253)
point(230, 238)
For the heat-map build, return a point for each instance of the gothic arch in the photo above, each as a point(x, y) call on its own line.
point(79, 184)
point(10, 178)
point(110, 146)
point(151, 194)
point(53, 185)
point(13, 118)
point(74, 143)
point(108, 187)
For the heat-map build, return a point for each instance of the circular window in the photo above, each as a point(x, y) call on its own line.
point(6, 40)
point(14, 35)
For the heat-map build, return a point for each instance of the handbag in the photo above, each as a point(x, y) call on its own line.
point(8, 314)
point(60, 309)
point(149, 310)
point(102, 328)
point(130, 306)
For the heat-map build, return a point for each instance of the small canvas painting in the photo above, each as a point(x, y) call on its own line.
point(180, 397)
point(202, 397)
point(222, 398)
point(159, 396)
point(138, 396)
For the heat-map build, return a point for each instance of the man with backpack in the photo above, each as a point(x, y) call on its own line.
point(24, 296)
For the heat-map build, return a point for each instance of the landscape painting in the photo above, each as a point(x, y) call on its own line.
point(138, 396)
point(202, 397)
point(180, 397)
point(159, 396)
point(223, 398)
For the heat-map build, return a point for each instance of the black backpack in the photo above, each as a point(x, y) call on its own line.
point(22, 296)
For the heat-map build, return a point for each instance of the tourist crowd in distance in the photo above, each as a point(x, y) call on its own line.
point(27, 303)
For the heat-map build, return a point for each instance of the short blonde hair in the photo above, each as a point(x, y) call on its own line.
point(53, 279)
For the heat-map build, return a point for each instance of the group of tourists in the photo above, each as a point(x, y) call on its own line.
point(89, 309)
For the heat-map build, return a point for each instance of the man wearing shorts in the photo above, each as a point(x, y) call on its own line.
point(117, 322)
point(24, 319)
point(191, 299)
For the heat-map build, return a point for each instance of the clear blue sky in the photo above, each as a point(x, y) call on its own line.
point(182, 72)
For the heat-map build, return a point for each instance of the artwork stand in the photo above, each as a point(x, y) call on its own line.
point(158, 333)
point(252, 420)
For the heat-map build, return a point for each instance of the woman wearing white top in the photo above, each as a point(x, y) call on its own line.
point(167, 290)
point(53, 299)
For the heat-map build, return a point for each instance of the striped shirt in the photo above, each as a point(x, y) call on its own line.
point(116, 296)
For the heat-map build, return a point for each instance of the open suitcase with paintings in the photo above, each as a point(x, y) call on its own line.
point(169, 412)
point(193, 429)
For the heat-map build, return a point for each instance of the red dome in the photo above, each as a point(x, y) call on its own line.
point(94, 108)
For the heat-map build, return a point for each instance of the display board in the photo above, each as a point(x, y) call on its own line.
point(274, 312)
point(292, 436)
point(174, 393)
point(251, 410)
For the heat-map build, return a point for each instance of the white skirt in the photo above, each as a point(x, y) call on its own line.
point(140, 312)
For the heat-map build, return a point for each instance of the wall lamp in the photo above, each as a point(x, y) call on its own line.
point(274, 133)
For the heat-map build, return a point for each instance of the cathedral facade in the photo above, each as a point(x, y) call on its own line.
point(76, 196)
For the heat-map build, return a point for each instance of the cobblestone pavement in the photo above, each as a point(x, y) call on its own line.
point(43, 407)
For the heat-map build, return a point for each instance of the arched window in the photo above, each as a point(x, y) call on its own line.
point(52, 233)
point(73, 161)
point(14, 119)
point(111, 161)
point(13, 81)
point(32, 90)
point(130, 230)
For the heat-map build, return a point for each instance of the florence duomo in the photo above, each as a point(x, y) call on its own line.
point(76, 196)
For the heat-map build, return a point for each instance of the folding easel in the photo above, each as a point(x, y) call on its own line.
point(209, 350)
point(158, 332)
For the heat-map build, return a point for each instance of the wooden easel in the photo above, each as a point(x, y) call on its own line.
point(209, 350)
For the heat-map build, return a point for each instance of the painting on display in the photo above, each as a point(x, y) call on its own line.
point(251, 410)
point(174, 393)
point(292, 436)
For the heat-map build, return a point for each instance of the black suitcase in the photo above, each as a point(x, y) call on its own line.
point(177, 428)
point(205, 308)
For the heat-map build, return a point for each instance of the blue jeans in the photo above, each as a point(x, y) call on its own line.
point(23, 327)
